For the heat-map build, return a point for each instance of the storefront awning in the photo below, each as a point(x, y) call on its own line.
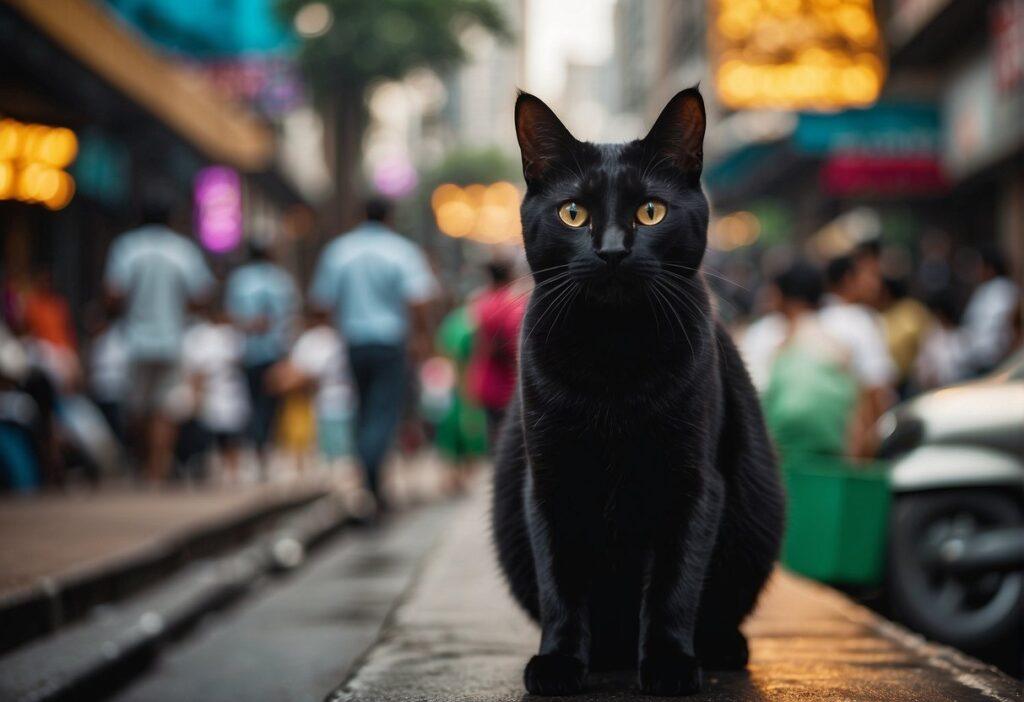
point(219, 130)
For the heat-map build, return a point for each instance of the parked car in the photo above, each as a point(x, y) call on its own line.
point(956, 550)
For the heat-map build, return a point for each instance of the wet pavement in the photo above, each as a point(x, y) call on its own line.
point(458, 637)
point(296, 639)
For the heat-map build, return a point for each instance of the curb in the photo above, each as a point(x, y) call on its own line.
point(91, 659)
point(55, 602)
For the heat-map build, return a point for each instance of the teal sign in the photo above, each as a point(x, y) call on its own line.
point(209, 29)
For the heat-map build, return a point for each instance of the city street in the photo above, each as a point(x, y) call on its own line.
point(721, 299)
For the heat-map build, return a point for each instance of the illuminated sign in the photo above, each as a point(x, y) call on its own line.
point(218, 202)
point(488, 214)
point(32, 162)
point(796, 54)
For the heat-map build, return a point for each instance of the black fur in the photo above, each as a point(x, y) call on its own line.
point(637, 504)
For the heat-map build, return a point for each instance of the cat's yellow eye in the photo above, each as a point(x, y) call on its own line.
point(573, 213)
point(651, 212)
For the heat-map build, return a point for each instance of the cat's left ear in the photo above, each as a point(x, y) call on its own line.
point(678, 132)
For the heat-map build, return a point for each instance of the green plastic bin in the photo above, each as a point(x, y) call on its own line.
point(837, 519)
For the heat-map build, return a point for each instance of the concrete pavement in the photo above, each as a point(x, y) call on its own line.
point(61, 555)
point(459, 638)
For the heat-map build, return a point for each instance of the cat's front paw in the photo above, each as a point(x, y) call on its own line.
point(669, 675)
point(554, 674)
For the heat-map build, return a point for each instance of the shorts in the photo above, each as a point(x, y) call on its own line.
point(153, 388)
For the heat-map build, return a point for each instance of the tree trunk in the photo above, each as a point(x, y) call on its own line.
point(346, 123)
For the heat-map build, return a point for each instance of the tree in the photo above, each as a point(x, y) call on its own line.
point(372, 40)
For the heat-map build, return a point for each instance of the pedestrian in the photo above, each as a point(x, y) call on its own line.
point(988, 319)
point(377, 284)
point(498, 312)
point(263, 302)
point(848, 315)
point(154, 273)
point(810, 396)
point(108, 371)
point(314, 376)
point(212, 362)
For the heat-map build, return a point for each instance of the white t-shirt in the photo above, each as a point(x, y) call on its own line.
point(988, 321)
point(108, 361)
point(765, 338)
point(759, 345)
point(214, 352)
point(858, 328)
point(320, 354)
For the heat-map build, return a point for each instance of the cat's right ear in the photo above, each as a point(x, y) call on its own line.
point(543, 139)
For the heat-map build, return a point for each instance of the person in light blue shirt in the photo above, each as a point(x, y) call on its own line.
point(377, 285)
point(153, 274)
point(263, 302)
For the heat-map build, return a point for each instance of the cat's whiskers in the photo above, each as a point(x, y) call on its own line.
point(666, 291)
point(569, 300)
point(559, 290)
point(706, 271)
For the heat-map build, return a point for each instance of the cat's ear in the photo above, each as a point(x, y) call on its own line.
point(543, 139)
point(678, 133)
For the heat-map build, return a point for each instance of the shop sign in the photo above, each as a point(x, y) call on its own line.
point(218, 208)
point(983, 123)
point(32, 162)
point(796, 55)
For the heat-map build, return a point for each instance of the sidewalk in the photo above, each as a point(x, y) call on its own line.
point(458, 637)
point(60, 555)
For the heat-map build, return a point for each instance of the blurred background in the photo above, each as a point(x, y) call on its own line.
point(184, 332)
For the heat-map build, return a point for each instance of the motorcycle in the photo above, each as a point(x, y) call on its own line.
point(955, 568)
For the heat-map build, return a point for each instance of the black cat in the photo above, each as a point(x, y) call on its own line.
point(637, 503)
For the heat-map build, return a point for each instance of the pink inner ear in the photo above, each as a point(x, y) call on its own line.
point(679, 131)
point(542, 137)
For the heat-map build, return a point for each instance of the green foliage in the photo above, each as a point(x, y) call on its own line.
point(371, 40)
point(467, 166)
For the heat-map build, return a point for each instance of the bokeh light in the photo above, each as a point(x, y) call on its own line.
point(488, 214)
point(788, 54)
point(32, 159)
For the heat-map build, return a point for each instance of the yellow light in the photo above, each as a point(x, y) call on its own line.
point(10, 139)
point(795, 54)
point(7, 180)
point(455, 218)
point(64, 193)
point(32, 157)
point(445, 193)
point(58, 147)
point(488, 214)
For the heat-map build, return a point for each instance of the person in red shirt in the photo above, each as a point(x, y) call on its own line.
point(46, 314)
point(491, 376)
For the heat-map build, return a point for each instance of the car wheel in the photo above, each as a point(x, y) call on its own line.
point(964, 610)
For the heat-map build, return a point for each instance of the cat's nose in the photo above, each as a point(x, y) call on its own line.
point(613, 246)
point(612, 254)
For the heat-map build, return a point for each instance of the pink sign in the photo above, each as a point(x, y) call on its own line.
point(218, 198)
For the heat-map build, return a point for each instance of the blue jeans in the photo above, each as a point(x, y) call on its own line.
point(379, 371)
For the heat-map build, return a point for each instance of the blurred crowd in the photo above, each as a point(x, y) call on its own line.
point(833, 344)
point(190, 377)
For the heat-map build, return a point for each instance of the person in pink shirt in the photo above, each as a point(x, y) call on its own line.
point(491, 376)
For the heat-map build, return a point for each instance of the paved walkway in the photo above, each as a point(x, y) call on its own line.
point(458, 637)
point(55, 535)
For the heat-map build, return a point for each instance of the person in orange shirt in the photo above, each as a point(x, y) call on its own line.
point(46, 314)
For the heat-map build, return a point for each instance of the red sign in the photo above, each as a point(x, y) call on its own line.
point(883, 176)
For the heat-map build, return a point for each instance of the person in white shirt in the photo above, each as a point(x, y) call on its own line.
point(848, 318)
point(317, 365)
point(212, 359)
point(987, 325)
